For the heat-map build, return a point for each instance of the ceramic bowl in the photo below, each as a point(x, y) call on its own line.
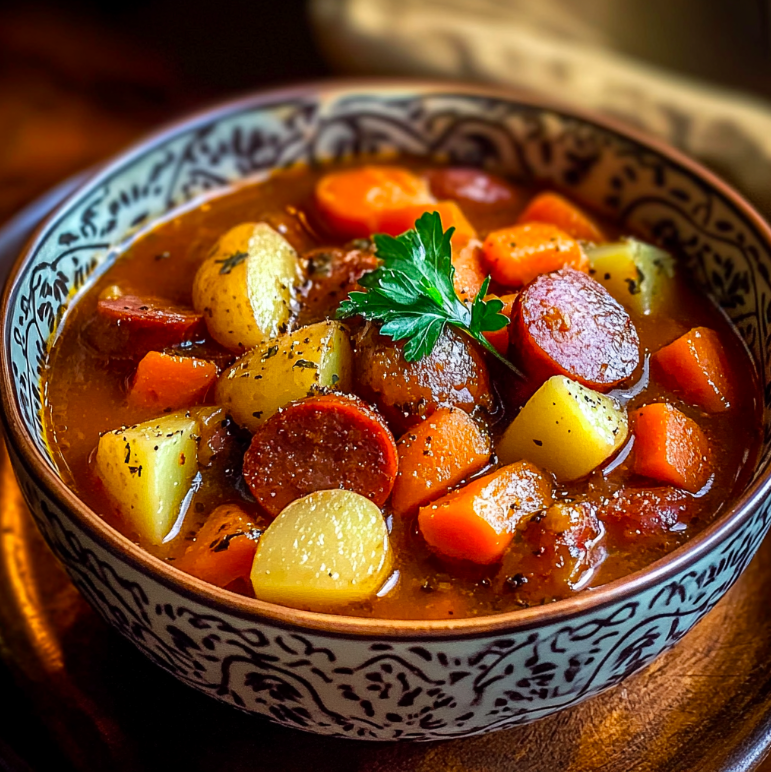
point(366, 678)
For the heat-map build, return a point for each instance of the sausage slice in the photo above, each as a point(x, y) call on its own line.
point(469, 185)
point(321, 443)
point(142, 324)
point(566, 323)
point(634, 515)
point(331, 274)
point(454, 374)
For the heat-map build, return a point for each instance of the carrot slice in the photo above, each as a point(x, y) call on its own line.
point(224, 547)
point(354, 200)
point(396, 221)
point(516, 255)
point(435, 456)
point(695, 365)
point(552, 208)
point(670, 447)
point(166, 381)
point(470, 271)
point(477, 522)
point(500, 338)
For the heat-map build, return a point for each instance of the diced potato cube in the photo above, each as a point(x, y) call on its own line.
point(325, 549)
point(285, 369)
point(148, 469)
point(634, 273)
point(566, 428)
point(244, 288)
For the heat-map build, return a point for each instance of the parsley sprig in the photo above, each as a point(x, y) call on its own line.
point(413, 295)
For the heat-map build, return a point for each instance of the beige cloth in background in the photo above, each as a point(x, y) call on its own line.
point(569, 50)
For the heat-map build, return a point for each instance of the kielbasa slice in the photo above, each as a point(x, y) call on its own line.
point(454, 374)
point(635, 514)
point(331, 274)
point(150, 324)
point(566, 323)
point(560, 548)
point(321, 443)
point(469, 185)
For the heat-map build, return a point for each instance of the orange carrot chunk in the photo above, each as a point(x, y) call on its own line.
point(166, 381)
point(224, 547)
point(500, 338)
point(435, 456)
point(552, 208)
point(695, 366)
point(396, 221)
point(477, 522)
point(354, 200)
point(516, 255)
point(670, 447)
point(470, 271)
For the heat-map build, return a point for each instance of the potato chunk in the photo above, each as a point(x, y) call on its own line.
point(148, 469)
point(634, 273)
point(245, 286)
point(566, 428)
point(328, 548)
point(285, 369)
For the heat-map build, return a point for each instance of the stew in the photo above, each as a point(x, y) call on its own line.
point(497, 401)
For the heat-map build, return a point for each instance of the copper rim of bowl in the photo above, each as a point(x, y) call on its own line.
point(520, 620)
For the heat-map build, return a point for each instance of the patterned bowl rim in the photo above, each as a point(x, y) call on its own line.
point(251, 609)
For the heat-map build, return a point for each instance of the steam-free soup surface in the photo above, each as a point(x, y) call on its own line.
point(564, 528)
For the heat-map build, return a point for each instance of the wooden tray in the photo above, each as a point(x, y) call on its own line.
point(705, 706)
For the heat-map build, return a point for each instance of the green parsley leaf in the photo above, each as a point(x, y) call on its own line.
point(230, 262)
point(412, 293)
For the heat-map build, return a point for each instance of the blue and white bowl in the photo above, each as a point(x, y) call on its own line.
point(367, 678)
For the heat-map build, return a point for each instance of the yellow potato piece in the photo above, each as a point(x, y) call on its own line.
point(245, 287)
point(565, 428)
point(284, 369)
point(634, 273)
point(325, 549)
point(148, 469)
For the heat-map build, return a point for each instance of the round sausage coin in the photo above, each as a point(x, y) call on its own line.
point(566, 323)
point(321, 443)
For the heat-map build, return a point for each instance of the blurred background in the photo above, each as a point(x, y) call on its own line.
point(80, 80)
